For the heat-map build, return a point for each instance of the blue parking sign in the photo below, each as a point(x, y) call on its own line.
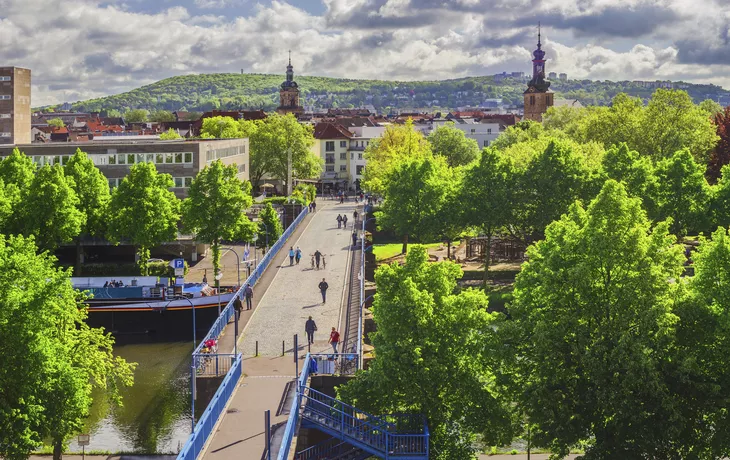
point(178, 263)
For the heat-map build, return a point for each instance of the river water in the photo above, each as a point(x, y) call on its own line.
point(155, 415)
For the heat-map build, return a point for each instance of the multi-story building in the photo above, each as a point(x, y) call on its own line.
point(331, 143)
point(362, 137)
point(179, 158)
point(14, 105)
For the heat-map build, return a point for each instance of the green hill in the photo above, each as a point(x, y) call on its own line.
point(256, 91)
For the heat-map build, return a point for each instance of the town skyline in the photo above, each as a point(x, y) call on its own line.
point(94, 48)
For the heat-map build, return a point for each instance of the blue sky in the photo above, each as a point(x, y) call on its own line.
point(78, 49)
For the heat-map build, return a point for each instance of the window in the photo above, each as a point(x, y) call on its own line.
point(178, 182)
point(329, 146)
point(330, 168)
point(140, 158)
point(352, 155)
point(5, 97)
point(532, 100)
point(5, 78)
point(343, 144)
point(489, 130)
point(169, 158)
point(114, 182)
point(343, 155)
point(473, 131)
point(359, 156)
point(5, 134)
point(188, 157)
point(130, 158)
point(159, 158)
point(329, 158)
point(112, 160)
point(188, 182)
point(343, 167)
point(178, 158)
point(149, 158)
point(486, 143)
point(64, 159)
point(359, 169)
point(4, 115)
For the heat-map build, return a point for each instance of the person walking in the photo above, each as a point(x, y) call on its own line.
point(248, 294)
point(354, 239)
point(309, 327)
point(323, 289)
point(298, 255)
point(238, 306)
point(334, 339)
point(339, 221)
point(344, 221)
point(314, 206)
point(354, 216)
point(291, 255)
point(317, 257)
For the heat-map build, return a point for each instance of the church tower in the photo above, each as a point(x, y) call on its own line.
point(538, 97)
point(289, 93)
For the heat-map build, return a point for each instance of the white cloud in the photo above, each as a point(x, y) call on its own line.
point(87, 48)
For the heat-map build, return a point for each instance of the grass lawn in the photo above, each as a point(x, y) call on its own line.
point(386, 251)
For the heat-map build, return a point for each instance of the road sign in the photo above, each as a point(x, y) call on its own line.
point(84, 439)
point(179, 266)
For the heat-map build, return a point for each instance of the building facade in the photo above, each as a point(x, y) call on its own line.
point(15, 114)
point(538, 97)
point(332, 143)
point(181, 159)
point(289, 94)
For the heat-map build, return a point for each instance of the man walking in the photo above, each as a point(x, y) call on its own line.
point(334, 339)
point(248, 293)
point(309, 327)
point(339, 221)
point(344, 220)
point(354, 239)
point(291, 256)
point(238, 306)
point(317, 256)
point(323, 289)
point(298, 255)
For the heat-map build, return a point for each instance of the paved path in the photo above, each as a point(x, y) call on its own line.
point(293, 295)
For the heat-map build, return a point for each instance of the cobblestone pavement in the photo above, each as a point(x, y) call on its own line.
point(293, 295)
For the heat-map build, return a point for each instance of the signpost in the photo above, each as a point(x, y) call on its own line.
point(83, 441)
point(179, 266)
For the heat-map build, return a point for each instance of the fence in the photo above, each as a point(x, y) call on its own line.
point(204, 427)
point(214, 364)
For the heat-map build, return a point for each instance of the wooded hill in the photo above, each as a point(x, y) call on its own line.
point(258, 91)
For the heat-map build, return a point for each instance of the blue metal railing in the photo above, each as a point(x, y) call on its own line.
point(331, 448)
point(213, 364)
point(362, 289)
point(205, 425)
point(220, 324)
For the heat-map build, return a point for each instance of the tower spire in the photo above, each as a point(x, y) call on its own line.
point(289, 57)
point(538, 35)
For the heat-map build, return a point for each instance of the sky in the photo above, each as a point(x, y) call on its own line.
point(79, 49)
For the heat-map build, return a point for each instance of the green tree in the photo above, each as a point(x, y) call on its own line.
point(424, 366)
point(415, 190)
point(269, 227)
point(170, 135)
point(112, 113)
point(592, 330)
point(452, 144)
point(273, 141)
point(486, 198)
point(398, 143)
point(710, 107)
point(682, 193)
point(56, 122)
point(92, 190)
point(221, 128)
point(135, 116)
point(16, 172)
point(47, 383)
point(520, 132)
point(161, 116)
point(143, 211)
point(215, 207)
point(720, 200)
point(636, 172)
point(50, 211)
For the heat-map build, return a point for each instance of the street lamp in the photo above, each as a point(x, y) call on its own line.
point(218, 277)
point(238, 264)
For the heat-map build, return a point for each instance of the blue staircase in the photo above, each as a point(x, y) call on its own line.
point(402, 436)
point(332, 449)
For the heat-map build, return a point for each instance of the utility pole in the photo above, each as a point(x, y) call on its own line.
point(289, 188)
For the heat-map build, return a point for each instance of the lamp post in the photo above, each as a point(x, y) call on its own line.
point(218, 277)
point(238, 263)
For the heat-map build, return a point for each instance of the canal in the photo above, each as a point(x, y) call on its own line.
point(155, 416)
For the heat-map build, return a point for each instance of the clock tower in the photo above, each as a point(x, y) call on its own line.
point(538, 97)
point(289, 93)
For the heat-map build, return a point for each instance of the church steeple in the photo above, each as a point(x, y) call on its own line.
point(538, 97)
point(289, 70)
point(289, 93)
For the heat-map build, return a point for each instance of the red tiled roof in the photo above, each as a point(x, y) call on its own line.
point(331, 131)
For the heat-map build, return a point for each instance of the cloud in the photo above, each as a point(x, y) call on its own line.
point(91, 48)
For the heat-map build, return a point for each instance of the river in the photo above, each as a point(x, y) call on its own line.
point(155, 415)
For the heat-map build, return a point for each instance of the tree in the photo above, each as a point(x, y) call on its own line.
point(221, 128)
point(414, 192)
point(424, 366)
point(161, 116)
point(170, 135)
point(214, 208)
point(92, 191)
point(551, 182)
point(144, 211)
point(592, 332)
point(636, 172)
point(47, 383)
point(486, 199)
point(56, 122)
point(682, 193)
point(273, 140)
point(710, 107)
point(112, 113)
point(520, 132)
point(16, 172)
point(50, 210)
point(398, 143)
point(269, 227)
point(452, 144)
point(720, 155)
point(720, 200)
point(135, 116)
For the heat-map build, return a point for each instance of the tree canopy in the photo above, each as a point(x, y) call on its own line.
point(269, 226)
point(452, 144)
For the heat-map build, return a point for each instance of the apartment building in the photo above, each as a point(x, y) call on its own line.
point(331, 143)
point(14, 105)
